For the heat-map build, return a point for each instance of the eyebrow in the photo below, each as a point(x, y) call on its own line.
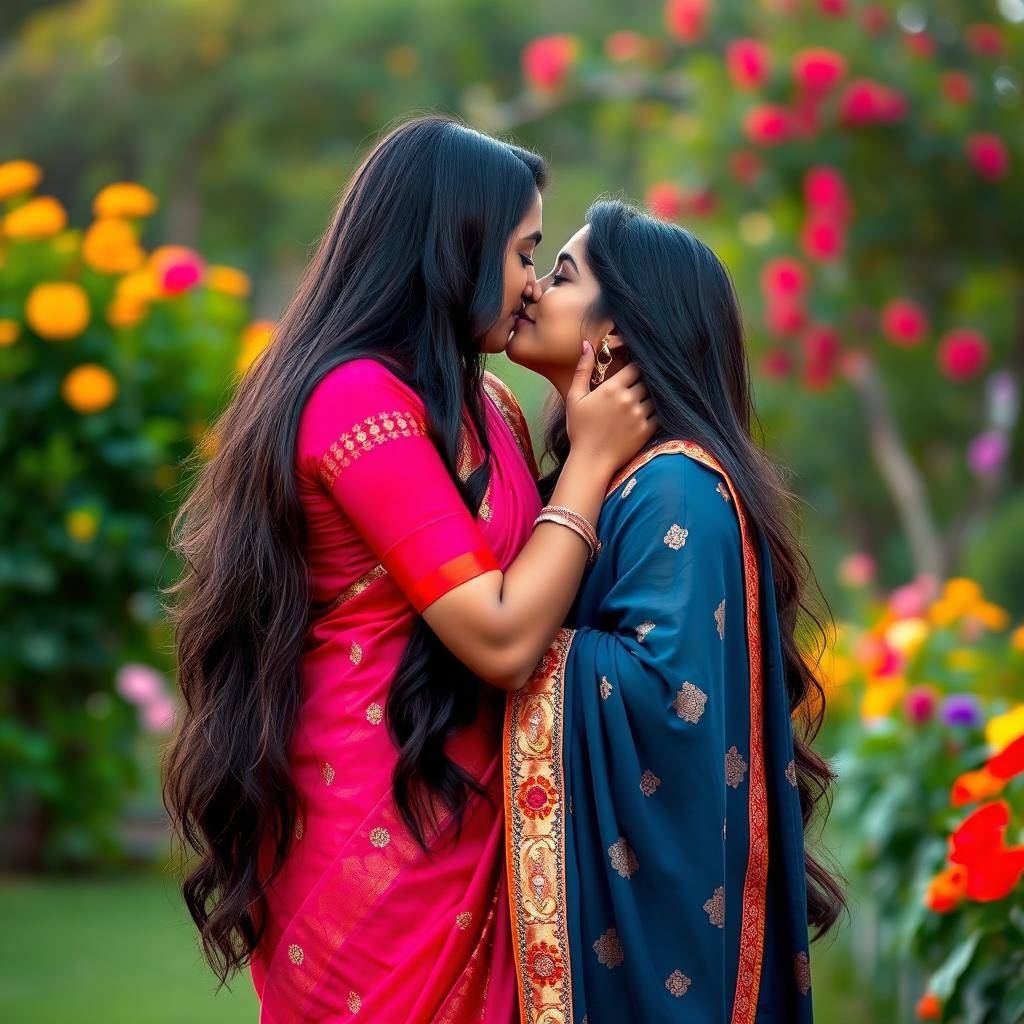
point(535, 237)
point(564, 257)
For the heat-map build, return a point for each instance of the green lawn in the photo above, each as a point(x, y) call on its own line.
point(121, 951)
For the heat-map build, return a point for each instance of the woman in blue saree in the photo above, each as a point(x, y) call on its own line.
point(656, 789)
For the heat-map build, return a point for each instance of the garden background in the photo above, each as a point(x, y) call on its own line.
point(164, 170)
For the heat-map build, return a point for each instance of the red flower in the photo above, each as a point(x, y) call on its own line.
point(904, 322)
point(865, 101)
point(768, 124)
point(777, 362)
point(665, 200)
point(995, 876)
point(980, 833)
point(825, 192)
point(920, 44)
point(985, 39)
point(546, 61)
point(822, 238)
point(785, 316)
point(988, 155)
point(783, 277)
point(748, 63)
point(875, 19)
point(962, 353)
point(957, 87)
point(835, 8)
point(818, 69)
point(821, 351)
point(745, 165)
point(623, 46)
point(1008, 762)
point(946, 889)
point(686, 19)
point(928, 1007)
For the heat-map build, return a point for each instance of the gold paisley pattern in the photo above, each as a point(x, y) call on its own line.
point(328, 773)
point(355, 654)
point(714, 907)
point(355, 1004)
point(360, 585)
point(735, 767)
point(296, 954)
point(379, 837)
point(623, 858)
point(689, 702)
point(300, 828)
point(649, 782)
point(374, 714)
point(464, 919)
point(609, 949)
point(363, 437)
point(677, 983)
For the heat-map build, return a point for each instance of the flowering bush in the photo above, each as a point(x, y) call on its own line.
point(932, 759)
point(112, 361)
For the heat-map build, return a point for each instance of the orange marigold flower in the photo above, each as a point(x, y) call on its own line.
point(124, 199)
point(928, 1007)
point(110, 246)
point(9, 332)
point(38, 218)
point(124, 312)
point(1017, 639)
point(946, 889)
point(970, 787)
point(255, 338)
point(89, 388)
point(57, 310)
point(229, 281)
point(18, 176)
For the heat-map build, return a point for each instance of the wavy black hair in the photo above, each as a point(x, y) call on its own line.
point(410, 273)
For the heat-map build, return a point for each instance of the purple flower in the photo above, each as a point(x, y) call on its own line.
point(987, 452)
point(961, 709)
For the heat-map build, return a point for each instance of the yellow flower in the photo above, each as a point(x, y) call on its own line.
point(57, 310)
point(9, 331)
point(229, 281)
point(963, 659)
point(255, 339)
point(880, 698)
point(38, 218)
point(140, 286)
point(125, 312)
point(89, 388)
point(124, 199)
point(18, 176)
point(962, 592)
point(1002, 730)
point(110, 246)
point(907, 635)
point(990, 615)
point(82, 524)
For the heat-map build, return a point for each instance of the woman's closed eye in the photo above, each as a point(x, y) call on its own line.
point(527, 261)
point(558, 279)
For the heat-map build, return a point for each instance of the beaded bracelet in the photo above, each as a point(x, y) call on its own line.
point(575, 522)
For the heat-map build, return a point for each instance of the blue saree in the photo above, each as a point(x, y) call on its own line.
point(654, 834)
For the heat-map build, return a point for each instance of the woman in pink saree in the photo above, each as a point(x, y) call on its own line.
point(365, 553)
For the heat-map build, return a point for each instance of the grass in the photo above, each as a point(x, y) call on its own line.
point(121, 950)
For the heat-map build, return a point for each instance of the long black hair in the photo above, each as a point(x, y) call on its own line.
point(411, 273)
point(673, 304)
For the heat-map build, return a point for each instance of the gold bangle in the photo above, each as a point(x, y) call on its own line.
point(581, 521)
point(552, 516)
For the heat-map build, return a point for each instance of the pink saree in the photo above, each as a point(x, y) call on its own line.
point(362, 925)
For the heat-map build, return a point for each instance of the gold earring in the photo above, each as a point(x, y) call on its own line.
point(597, 377)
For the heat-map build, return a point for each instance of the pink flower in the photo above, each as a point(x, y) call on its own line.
point(904, 322)
point(158, 715)
point(912, 599)
point(745, 166)
point(768, 124)
point(825, 192)
point(784, 317)
point(822, 238)
point(875, 19)
point(783, 277)
point(665, 200)
point(988, 155)
point(987, 452)
point(777, 363)
point(857, 569)
point(963, 353)
point(817, 70)
point(686, 19)
point(865, 101)
point(748, 63)
point(920, 44)
point(834, 8)
point(985, 39)
point(957, 87)
point(546, 61)
point(920, 704)
point(821, 350)
point(177, 268)
point(139, 684)
point(624, 46)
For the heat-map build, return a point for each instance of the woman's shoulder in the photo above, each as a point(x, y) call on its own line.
point(352, 396)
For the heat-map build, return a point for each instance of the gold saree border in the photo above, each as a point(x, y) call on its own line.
point(512, 413)
point(535, 839)
point(755, 886)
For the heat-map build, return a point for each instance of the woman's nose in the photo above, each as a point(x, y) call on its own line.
point(533, 291)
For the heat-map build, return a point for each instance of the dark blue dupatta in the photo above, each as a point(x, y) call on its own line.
point(655, 840)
